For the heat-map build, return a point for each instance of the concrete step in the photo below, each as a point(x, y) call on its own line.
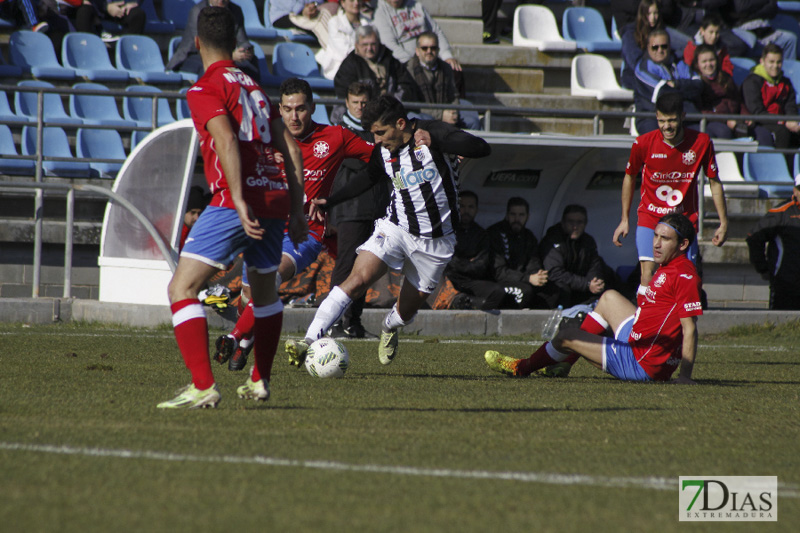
point(461, 30)
point(734, 286)
point(503, 80)
point(518, 124)
point(454, 8)
point(733, 252)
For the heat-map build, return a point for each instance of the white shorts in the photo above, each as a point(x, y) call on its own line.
point(426, 257)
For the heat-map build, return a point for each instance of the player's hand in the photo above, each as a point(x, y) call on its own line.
point(620, 233)
point(597, 285)
point(316, 209)
point(298, 228)
point(453, 62)
point(539, 279)
point(422, 138)
point(720, 236)
point(249, 222)
point(680, 380)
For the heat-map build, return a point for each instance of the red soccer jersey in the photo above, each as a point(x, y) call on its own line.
point(324, 149)
point(657, 335)
point(226, 90)
point(669, 174)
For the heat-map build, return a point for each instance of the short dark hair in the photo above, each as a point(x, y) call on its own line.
point(670, 103)
point(771, 48)
point(216, 28)
point(358, 88)
point(682, 226)
point(711, 19)
point(385, 109)
point(296, 86)
point(518, 200)
point(429, 35)
point(575, 208)
point(468, 194)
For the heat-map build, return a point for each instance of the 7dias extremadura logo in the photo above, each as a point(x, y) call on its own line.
point(728, 498)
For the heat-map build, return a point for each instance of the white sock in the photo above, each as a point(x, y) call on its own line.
point(642, 289)
point(554, 354)
point(393, 320)
point(244, 343)
point(330, 310)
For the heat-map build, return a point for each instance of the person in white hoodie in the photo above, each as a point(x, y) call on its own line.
point(341, 36)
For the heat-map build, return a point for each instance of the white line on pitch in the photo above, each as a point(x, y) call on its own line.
point(656, 483)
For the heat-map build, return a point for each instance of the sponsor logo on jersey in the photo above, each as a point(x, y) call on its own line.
point(660, 280)
point(266, 183)
point(664, 210)
point(667, 177)
point(669, 196)
point(687, 276)
point(692, 306)
point(419, 154)
point(658, 156)
point(636, 336)
point(321, 149)
point(314, 174)
point(404, 179)
point(689, 157)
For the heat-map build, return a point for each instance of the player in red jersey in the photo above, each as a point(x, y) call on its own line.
point(248, 211)
point(651, 340)
point(670, 160)
point(324, 148)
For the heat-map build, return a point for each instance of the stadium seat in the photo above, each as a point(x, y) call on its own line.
point(137, 137)
point(320, 115)
point(153, 23)
point(297, 59)
point(789, 7)
point(470, 118)
point(615, 35)
point(9, 71)
point(7, 147)
point(177, 11)
point(171, 48)
point(88, 55)
point(34, 53)
point(741, 68)
point(100, 144)
point(592, 75)
point(252, 24)
point(182, 107)
point(284, 33)
point(27, 104)
point(785, 22)
point(768, 166)
point(54, 144)
point(139, 107)
point(6, 113)
point(267, 78)
point(96, 110)
point(140, 56)
point(585, 26)
point(791, 69)
point(535, 26)
point(729, 171)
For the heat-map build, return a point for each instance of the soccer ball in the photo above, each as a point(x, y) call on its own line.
point(327, 358)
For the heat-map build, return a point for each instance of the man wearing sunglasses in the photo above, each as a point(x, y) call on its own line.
point(434, 78)
point(658, 73)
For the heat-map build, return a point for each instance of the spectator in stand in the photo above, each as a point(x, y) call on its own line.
point(709, 34)
point(779, 231)
point(399, 22)
point(23, 13)
point(720, 95)
point(628, 12)
point(341, 36)
point(489, 15)
point(767, 91)
point(634, 39)
point(373, 64)
point(516, 259)
point(198, 200)
point(471, 268)
point(65, 16)
point(187, 59)
point(570, 256)
point(750, 22)
point(302, 14)
point(687, 17)
point(127, 14)
point(435, 80)
point(656, 74)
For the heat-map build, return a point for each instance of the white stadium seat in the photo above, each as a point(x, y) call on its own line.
point(535, 26)
point(729, 171)
point(593, 75)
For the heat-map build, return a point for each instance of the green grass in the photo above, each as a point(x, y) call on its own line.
point(437, 407)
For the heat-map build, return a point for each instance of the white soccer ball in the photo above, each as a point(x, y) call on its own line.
point(327, 358)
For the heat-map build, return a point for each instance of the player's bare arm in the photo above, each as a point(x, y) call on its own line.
point(718, 196)
point(227, 145)
point(283, 141)
point(628, 187)
point(689, 327)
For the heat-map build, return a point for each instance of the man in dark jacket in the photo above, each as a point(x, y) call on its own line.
point(569, 255)
point(516, 259)
point(471, 268)
point(779, 231)
point(354, 219)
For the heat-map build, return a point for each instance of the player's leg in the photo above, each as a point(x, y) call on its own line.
point(236, 345)
point(644, 246)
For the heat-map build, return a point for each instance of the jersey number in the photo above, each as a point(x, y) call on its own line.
point(255, 116)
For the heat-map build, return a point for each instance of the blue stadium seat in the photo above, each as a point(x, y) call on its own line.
point(768, 166)
point(9, 71)
point(177, 11)
point(88, 55)
point(101, 144)
point(267, 79)
point(54, 144)
point(284, 33)
point(139, 106)
point(6, 113)
point(252, 25)
point(785, 22)
point(96, 110)
point(140, 56)
point(320, 115)
point(182, 107)
point(153, 23)
point(27, 104)
point(586, 27)
point(791, 69)
point(137, 137)
point(7, 147)
point(34, 53)
point(741, 68)
point(790, 7)
point(297, 59)
point(171, 48)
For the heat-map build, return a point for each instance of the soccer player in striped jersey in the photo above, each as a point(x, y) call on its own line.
point(417, 234)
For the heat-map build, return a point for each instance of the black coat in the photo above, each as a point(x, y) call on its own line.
point(472, 257)
point(516, 255)
point(571, 264)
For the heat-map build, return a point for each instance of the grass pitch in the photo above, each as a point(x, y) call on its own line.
point(434, 442)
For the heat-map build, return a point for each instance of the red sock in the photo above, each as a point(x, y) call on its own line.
point(244, 326)
point(538, 359)
point(191, 332)
point(267, 332)
point(591, 325)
